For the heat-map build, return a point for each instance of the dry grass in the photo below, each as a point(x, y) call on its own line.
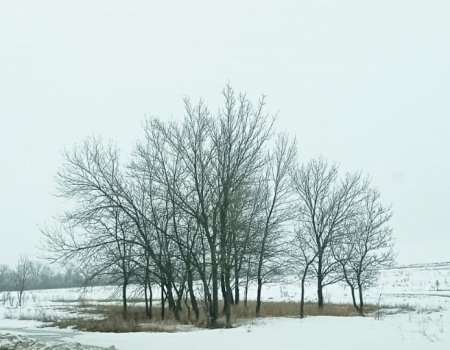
point(117, 325)
point(113, 321)
point(292, 309)
point(137, 321)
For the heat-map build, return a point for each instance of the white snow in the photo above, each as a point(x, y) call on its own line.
point(428, 327)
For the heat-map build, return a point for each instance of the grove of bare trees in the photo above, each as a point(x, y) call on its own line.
point(341, 231)
point(206, 207)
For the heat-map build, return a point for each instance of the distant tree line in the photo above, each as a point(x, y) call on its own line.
point(31, 275)
point(205, 207)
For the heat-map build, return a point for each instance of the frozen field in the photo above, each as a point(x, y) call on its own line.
point(424, 287)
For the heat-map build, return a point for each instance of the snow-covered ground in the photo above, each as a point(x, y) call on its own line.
point(424, 287)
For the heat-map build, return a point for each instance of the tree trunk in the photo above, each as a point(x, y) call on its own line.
point(319, 284)
point(302, 298)
point(260, 264)
point(236, 272)
point(228, 300)
point(179, 300)
point(247, 279)
point(163, 301)
point(361, 302)
point(188, 308)
point(174, 306)
point(150, 301)
point(195, 307)
point(225, 252)
point(207, 299)
point(320, 294)
point(192, 295)
point(208, 310)
point(352, 289)
point(236, 288)
point(215, 288)
point(224, 292)
point(124, 300)
point(258, 298)
point(147, 288)
point(147, 310)
point(261, 261)
point(246, 294)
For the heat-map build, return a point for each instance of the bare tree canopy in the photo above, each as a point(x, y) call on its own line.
point(326, 203)
point(207, 206)
point(366, 246)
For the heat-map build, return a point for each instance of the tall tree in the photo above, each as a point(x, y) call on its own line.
point(366, 247)
point(325, 205)
point(98, 232)
point(277, 210)
point(303, 253)
point(239, 140)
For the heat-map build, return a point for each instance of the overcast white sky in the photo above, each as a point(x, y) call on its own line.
point(363, 83)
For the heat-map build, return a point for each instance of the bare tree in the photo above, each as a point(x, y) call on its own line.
point(325, 204)
point(304, 253)
point(117, 259)
point(21, 276)
point(246, 231)
point(239, 142)
point(277, 210)
point(366, 247)
point(96, 233)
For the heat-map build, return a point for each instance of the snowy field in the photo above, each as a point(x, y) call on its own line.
point(426, 288)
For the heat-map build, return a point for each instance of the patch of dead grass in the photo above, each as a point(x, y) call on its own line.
point(111, 319)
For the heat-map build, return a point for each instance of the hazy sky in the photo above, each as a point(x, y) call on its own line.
point(362, 83)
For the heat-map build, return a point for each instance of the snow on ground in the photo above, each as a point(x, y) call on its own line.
point(393, 332)
point(425, 287)
point(17, 342)
point(309, 333)
point(58, 303)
